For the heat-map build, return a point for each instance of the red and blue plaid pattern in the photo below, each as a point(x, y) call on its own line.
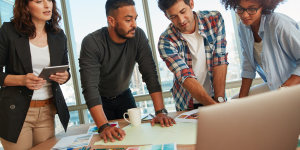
point(175, 53)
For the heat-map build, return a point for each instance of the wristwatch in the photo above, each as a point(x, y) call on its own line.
point(164, 111)
point(221, 99)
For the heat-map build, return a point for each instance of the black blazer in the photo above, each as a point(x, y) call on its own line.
point(15, 56)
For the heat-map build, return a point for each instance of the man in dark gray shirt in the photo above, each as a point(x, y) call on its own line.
point(107, 60)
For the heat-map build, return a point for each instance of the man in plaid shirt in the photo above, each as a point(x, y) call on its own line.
point(194, 49)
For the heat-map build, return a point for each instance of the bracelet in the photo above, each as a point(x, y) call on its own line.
point(101, 128)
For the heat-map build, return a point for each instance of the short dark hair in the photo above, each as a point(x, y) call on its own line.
point(166, 4)
point(112, 5)
point(269, 5)
point(23, 23)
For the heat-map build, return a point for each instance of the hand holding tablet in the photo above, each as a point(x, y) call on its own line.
point(48, 71)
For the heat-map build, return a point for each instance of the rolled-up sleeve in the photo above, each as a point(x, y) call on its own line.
point(290, 42)
point(3, 52)
point(90, 72)
point(247, 69)
point(220, 54)
point(173, 60)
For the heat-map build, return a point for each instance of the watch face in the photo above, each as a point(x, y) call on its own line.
point(220, 99)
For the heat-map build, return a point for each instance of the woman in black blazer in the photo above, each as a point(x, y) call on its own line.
point(28, 104)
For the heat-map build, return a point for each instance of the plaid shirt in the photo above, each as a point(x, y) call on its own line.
point(175, 52)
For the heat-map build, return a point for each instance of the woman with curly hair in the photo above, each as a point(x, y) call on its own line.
point(270, 44)
point(28, 103)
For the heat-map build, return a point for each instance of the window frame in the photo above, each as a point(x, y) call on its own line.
point(74, 64)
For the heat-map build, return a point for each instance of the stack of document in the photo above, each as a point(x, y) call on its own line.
point(73, 142)
point(190, 116)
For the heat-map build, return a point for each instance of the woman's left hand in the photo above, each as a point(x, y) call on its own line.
point(60, 77)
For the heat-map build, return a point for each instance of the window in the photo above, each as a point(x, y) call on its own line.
point(91, 18)
point(290, 9)
point(6, 10)
point(147, 106)
point(74, 120)
point(234, 68)
point(67, 88)
point(85, 19)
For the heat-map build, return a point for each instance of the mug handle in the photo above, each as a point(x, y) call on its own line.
point(125, 118)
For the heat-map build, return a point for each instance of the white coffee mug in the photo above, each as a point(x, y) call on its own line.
point(134, 116)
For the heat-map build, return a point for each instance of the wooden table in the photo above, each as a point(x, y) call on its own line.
point(82, 129)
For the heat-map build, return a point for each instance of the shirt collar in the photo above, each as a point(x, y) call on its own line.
point(262, 24)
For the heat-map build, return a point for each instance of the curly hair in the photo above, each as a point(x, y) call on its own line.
point(269, 5)
point(23, 23)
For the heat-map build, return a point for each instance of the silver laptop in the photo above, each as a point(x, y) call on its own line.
point(268, 121)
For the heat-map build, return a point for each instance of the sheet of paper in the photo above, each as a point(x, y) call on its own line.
point(146, 117)
point(73, 142)
point(114, 124)
point(190, 116)
point(180, 133)
point(170, 146)
point(94, 129)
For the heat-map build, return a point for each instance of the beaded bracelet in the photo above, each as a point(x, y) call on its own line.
point(101, 128)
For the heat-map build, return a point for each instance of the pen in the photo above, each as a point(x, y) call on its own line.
point(151, 115)
point(83, 148)
point(145, 117)
point(89, 148)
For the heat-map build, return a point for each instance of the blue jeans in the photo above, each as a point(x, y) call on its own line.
point(115, 107)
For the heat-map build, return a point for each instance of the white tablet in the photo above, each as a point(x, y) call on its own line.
point(47, 71)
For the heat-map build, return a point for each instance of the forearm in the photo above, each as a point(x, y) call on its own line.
point(98, 115)
point(157, 99)
point(293, 80)
point(246, 84)
point(219, 80)
point(197, 91)
point(14, 80)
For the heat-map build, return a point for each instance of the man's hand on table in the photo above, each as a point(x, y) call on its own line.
point(109, 132)
point(163, 119)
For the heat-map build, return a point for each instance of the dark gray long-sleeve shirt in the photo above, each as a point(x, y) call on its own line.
point(106, 66)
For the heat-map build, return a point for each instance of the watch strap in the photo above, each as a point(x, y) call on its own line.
point(161, 111)
point(101, 128)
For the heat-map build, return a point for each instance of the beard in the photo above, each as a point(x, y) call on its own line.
point(122, 33)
